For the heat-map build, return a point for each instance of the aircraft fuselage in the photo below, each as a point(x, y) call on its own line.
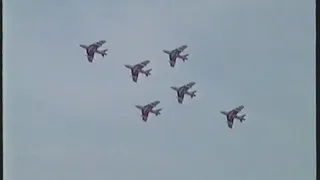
point(182, 90)
point(174, 54)
point(230, 124)
point(91, 49)
point(136, 68)
point(231, 115)
point(146, 110)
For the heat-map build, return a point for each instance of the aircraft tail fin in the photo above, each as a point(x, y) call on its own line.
point(103, 52)
point(147, 72)
point(193, 94)
point(157, 112)
point(241, 118)
point(184, 57)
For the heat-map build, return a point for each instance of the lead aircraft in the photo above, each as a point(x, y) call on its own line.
point(231, 115)
point(93, 48)
point(145, 110)
point(138, 68)
point(174, 54)
point(181, 91)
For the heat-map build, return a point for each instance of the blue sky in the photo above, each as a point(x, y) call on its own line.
point(65, 118)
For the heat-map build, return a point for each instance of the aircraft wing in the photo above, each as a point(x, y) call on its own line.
point(145, 116)
point(90, 57)
point(99, 43)
point(238, 109)
point(144, 63)
point(190, 85)
point(172, 63)
point(134, 76)
point(182, 48)
point(154, 104)
point(180, 97)
point(230, 123)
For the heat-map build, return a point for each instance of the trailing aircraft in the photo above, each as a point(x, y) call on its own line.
point(174, 54)
point(231, 115)
point(145, 110)
point(181, 91)
point(138, 68)
point(93, 48)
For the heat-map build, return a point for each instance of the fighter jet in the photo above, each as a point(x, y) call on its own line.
point(93, 48)
point(181, 91)
point(231, 115)
point(174, 54)
point(136, 69)
point(145, 110)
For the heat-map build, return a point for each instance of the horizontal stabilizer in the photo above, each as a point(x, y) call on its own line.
point(147, 72)
point(103, 52)
point(157, 112)
point(193, 94)
point(241, 118)
point(184, 57)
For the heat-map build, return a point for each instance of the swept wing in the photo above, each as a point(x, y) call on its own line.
point(237, 109)
point(99, 43)
point(154, 103)
point(182, 48)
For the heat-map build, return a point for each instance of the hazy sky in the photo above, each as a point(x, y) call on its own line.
point(65, 118)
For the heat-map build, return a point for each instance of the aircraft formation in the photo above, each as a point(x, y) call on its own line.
point(181, 91)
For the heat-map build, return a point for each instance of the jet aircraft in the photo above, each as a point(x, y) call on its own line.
point(174, 54)
point(231, 115)
point(181, 91)
point(145, 110)
point(138, 68)
point(93, 48)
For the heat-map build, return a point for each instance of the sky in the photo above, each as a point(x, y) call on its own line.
point(66, 118)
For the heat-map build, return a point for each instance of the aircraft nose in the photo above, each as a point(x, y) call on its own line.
point(137, 106)
point(127, 66)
